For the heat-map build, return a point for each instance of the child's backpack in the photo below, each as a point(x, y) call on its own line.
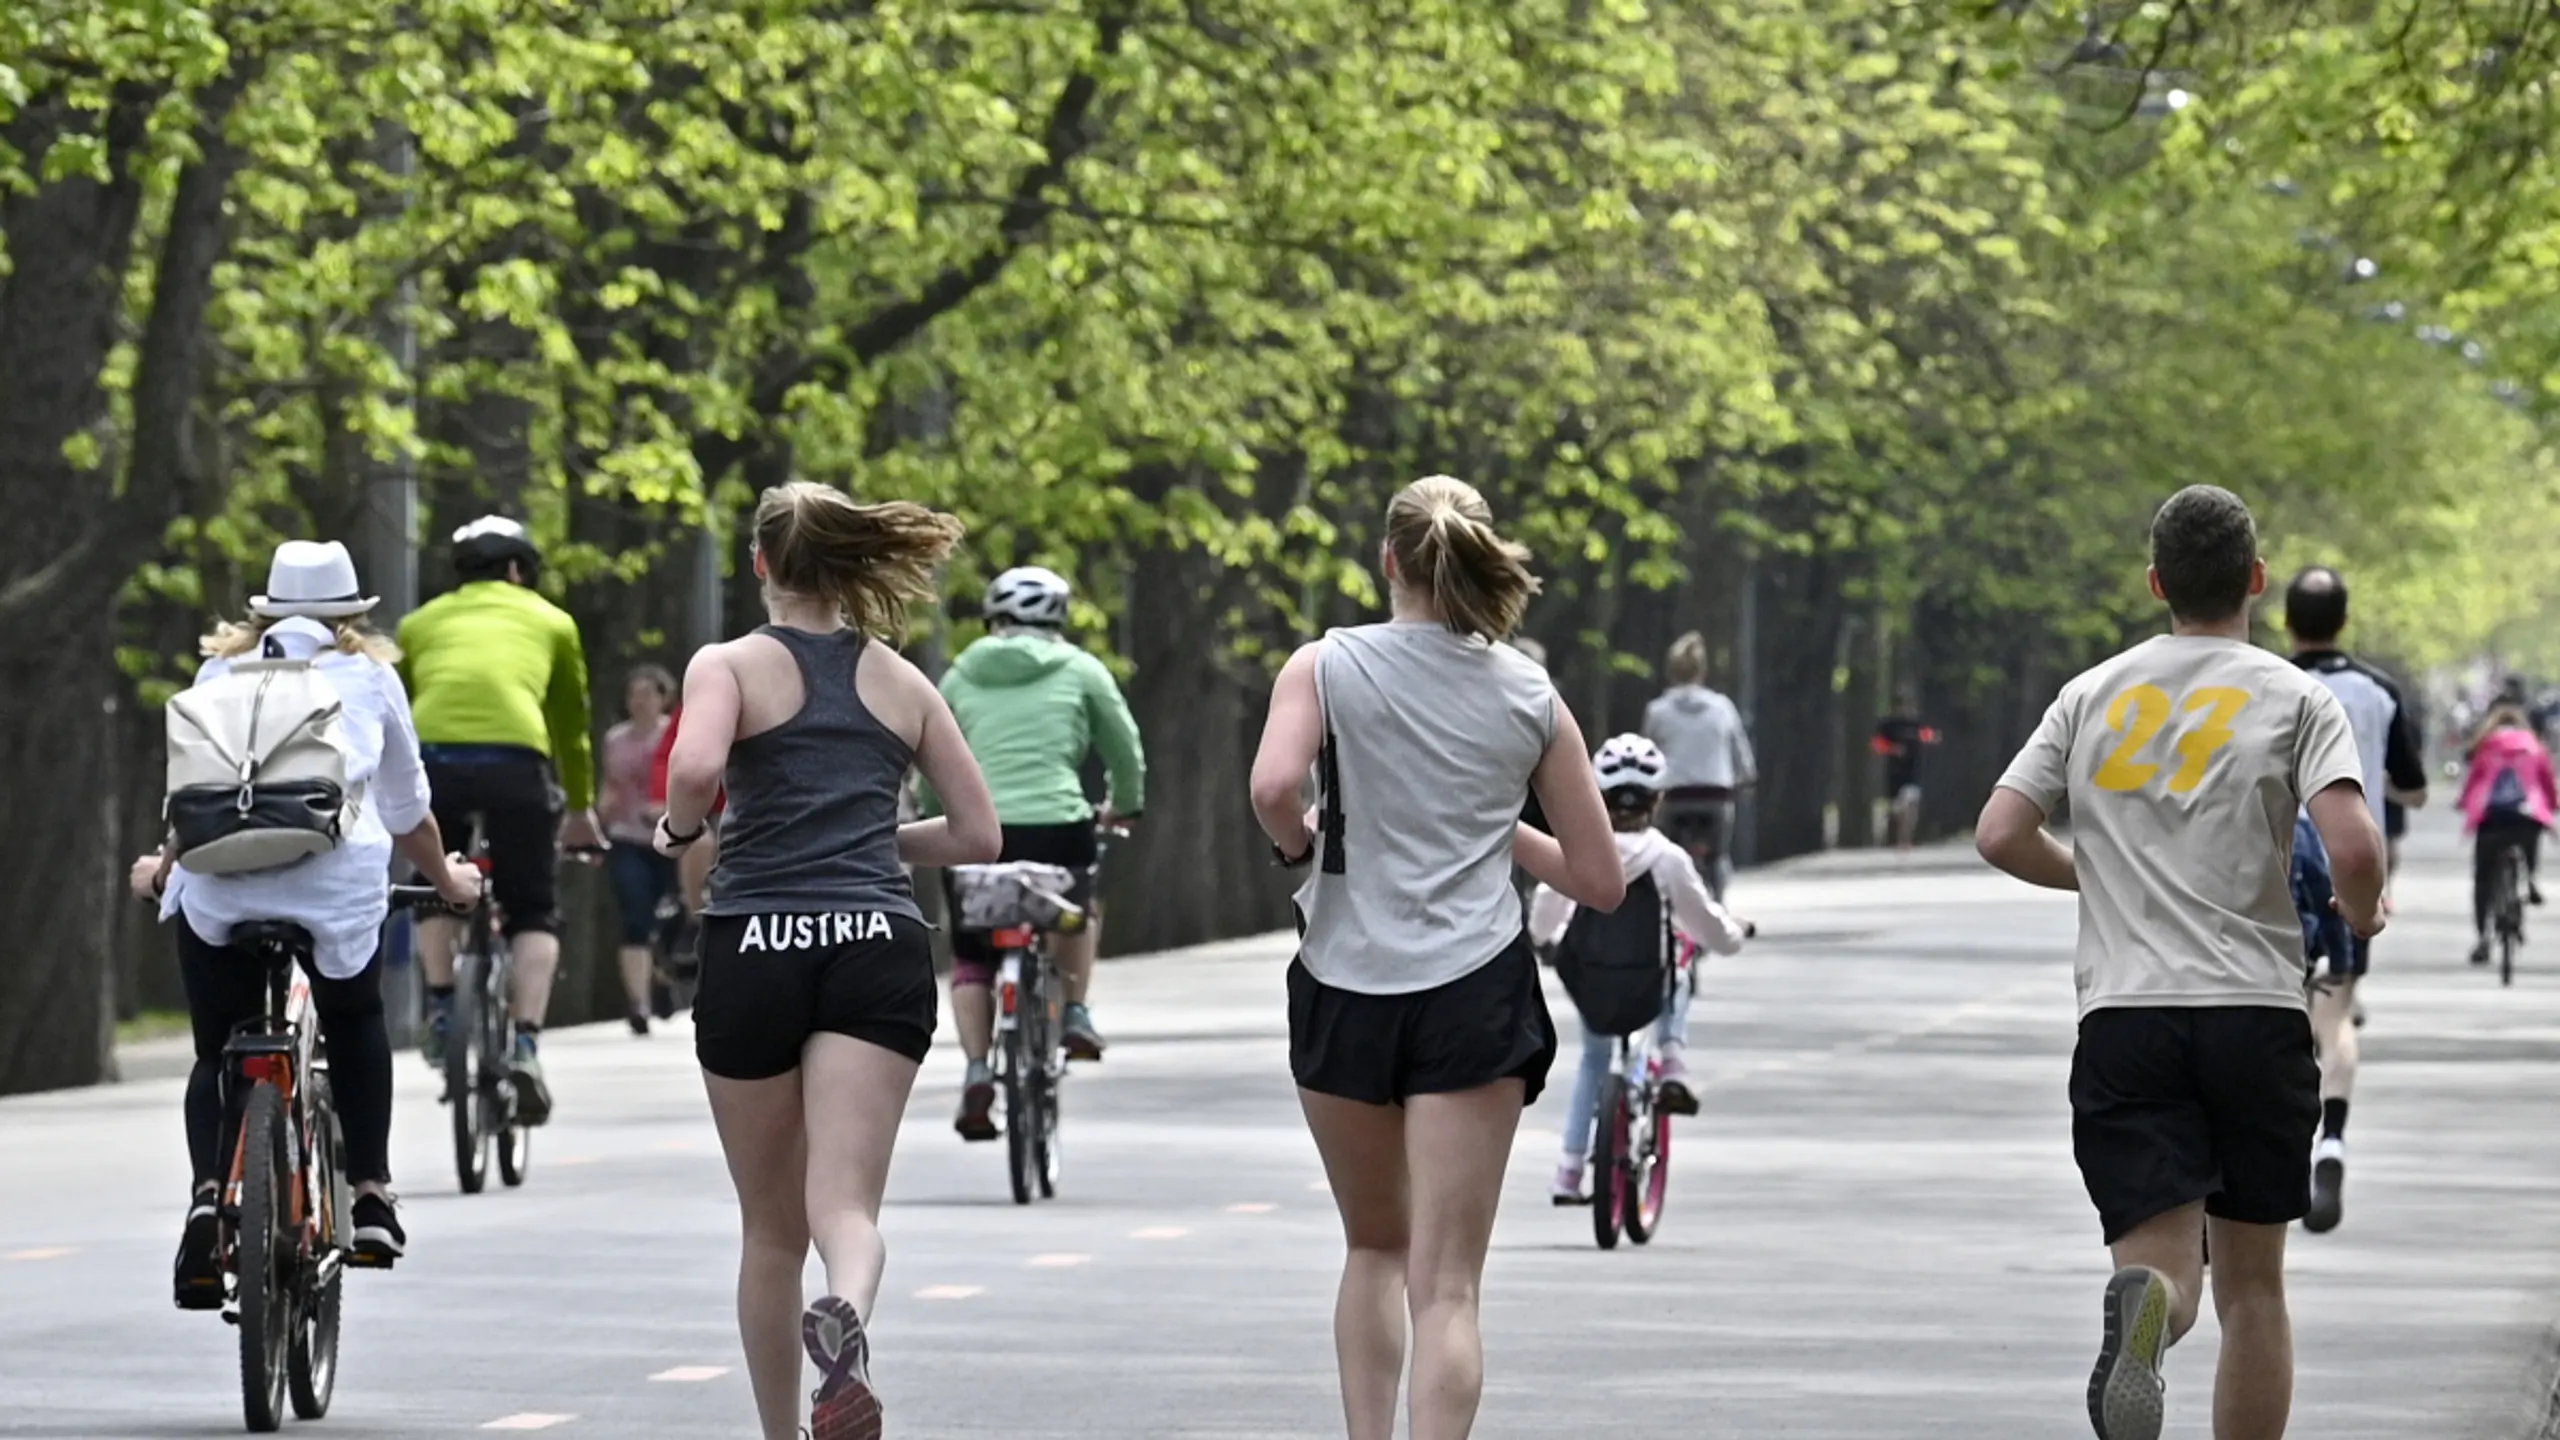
point(257, 773)
point(1614, 963)
point(2507, 792)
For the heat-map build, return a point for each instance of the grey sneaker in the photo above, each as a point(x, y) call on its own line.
point(2126, 1394)
point(439, 1028)
point(533, 1097)
point(1083, 1042)
point(977, 1103)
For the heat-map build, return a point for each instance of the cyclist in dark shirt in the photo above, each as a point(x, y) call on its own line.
point(1900, 738)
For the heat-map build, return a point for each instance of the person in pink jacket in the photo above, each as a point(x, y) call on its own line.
point(2508, 799)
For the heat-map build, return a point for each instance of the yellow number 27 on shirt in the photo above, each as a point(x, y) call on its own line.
point(2141, 712)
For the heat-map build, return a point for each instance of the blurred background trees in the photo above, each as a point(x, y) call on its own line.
point(1862, 339)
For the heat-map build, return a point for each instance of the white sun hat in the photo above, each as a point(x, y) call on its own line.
point(313, 578)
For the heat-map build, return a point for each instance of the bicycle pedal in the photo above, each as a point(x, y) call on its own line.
point(358, 1260)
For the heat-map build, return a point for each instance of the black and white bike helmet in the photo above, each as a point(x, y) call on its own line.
point(1028, 595)
point(1630, 762)
point(486, 545)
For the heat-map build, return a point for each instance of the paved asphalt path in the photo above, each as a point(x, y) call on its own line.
point(1875, 1229)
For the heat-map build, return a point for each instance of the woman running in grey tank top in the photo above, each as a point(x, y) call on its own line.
point(817, 998)
point(1417, 1029)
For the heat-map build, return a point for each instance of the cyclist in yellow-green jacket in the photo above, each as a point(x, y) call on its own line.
point(497, 679)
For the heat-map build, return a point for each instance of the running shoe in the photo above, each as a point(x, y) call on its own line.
point(1677, 1097)
point(199, 1268)
point(439, 1028)
point(640, 1024)
point(1082, 1040)
point(1567, 1189)
point(843, 1407)
point(2480, 952)
point(977, 1103)
point(2328, 1185)
point(379, 1238)
point(2126, 1393)
point(533, 1097)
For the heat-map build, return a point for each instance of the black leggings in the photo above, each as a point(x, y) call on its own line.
point(227, 985)
point(2495, 839)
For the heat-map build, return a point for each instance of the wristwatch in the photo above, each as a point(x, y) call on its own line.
point(1287, 861)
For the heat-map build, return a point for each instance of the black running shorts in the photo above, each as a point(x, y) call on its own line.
point(1074, 846)
point(769, 982)
point(517, 800)
point(1488, 1024)
point(2171, 1106)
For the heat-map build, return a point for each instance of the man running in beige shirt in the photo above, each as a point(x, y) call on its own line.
point(2194, 1088)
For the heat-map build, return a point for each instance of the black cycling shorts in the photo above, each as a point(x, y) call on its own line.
point(1488, 1024)
point(2170, 1106)
point(1075, 846)
point(1698, 815)
point(519, 803)
point(769, 982)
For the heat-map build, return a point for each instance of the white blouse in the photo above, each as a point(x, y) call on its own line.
point(341, 897)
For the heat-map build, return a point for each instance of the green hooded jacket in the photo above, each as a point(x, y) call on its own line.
point(1031, 706)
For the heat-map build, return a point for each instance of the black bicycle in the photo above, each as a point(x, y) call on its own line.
point(479, 1052)
point(2506, 909)
point(286, 1218)
point(1030, 1056)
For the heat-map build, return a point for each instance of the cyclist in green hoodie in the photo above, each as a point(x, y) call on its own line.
point(1032, 706)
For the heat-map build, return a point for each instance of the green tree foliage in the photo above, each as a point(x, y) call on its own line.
point(1894, 322)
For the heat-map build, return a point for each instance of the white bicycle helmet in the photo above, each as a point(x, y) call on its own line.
point(1029, 595)
point(1629, 762)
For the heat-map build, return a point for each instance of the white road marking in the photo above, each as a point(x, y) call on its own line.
point(1159, 1232)
point(530, 1420)
point(1252, 1207)
point(1058, 1262)
point(41, 1252)
point(577, 1160)
point(950, 1292)
point(1321, 1187)
point(689, 1374)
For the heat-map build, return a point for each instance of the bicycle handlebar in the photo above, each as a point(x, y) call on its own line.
point(424, 897)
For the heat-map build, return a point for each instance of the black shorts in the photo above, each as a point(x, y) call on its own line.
point(1488, 1024)
point(2171, 1106)
point(769, 982)
point(1698, 815)
point(518, 801)
point(1075, 846)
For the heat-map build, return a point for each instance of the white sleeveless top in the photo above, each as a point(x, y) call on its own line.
point(1433, 737)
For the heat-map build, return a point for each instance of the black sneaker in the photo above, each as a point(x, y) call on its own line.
point(379, 1238)
point(199, 1268)
point(2480, 953)
point(640, 1023)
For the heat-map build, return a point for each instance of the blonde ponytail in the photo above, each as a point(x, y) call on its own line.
point(1687, 662)
point(230, 639)
point(1441, 534)
point(871, 561)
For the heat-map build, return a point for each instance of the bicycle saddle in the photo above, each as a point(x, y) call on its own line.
point(281, 935)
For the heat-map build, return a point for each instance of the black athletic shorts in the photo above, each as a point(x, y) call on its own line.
point(769, 982)
point(519, 803)
point(2171, 1106)
point(1488, 1024)
point(1075, 846)
point(1694, 815)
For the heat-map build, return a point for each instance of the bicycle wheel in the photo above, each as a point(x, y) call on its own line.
point(266, 1260)
point(466, 1078)
point(1045, 1150)
point(508, 1134)
point(1608, 1168)
point(1015, 1070)
point(311, 1368)
point(1649, 1176)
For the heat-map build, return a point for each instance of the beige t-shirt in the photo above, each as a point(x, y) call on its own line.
point(2186, 759)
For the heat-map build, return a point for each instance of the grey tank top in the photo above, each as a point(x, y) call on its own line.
point(812, 818)
point(1431, 739)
